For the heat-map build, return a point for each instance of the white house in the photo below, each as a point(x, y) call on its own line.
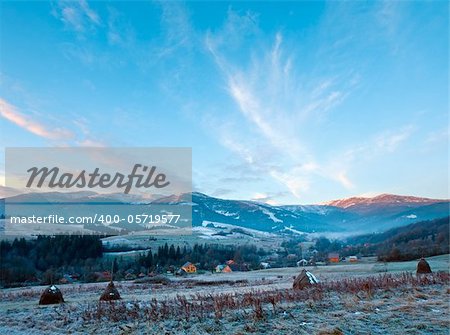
point(302, 262)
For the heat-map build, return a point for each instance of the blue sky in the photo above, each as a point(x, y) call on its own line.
point(291, 102)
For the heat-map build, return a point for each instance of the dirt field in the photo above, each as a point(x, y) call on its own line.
point(406, 308)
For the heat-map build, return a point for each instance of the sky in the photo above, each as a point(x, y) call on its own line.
point(282, 102)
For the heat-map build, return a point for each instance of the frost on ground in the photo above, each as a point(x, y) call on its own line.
point(384, 304)
point(342, 303)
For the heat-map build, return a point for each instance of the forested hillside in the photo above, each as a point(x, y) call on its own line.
point(421, 239)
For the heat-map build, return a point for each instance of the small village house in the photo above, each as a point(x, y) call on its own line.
point(66, 279)
point(234, 266)
point(302, 262)
point(352, 259)
point(188, 267)
point(130, 276)
point(102, 276)
point(333, 257)
point(264, 265)
point(223, 268)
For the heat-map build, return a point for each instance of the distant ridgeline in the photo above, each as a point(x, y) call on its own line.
point(364, 215)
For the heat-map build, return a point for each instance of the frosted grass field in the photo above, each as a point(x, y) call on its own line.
point(404, 309)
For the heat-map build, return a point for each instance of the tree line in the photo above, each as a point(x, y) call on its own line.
point(47, 259)
point(25, 260)
point(205, 256)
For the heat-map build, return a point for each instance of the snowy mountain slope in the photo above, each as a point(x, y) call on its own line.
point(346, 215)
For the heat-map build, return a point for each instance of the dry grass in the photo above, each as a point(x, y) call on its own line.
point(383, 304)
point(256, 304)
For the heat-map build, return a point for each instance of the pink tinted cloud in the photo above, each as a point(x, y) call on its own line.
point(12, 114)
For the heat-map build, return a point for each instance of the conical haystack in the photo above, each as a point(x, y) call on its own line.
point(304, 279)
point(423, 267)
point(51, 295)
point(110, 293)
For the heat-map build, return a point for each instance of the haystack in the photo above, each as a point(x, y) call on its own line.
point(110, 293)
point(423, 267)
point(51, 295)
point(304, 279)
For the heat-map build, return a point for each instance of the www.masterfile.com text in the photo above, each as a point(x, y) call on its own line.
point(97, 218)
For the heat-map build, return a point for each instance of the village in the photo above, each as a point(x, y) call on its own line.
point(309, 259)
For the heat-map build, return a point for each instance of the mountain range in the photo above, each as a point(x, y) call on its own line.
point(353, 216)
point(364, 215)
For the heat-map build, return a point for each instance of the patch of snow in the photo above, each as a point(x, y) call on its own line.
point(315, 209)
point(294, 230)
point(271, 215)
point(204, 230)
point(116, 228)
point(115, 241)
point(253, 232)
point(207, 233)
point(216, 237)
point(225, 213)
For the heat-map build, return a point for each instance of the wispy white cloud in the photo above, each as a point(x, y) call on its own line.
point(90, 143)
point(387, 15)
point(79, 134)
point(276, 105)
point(220, 192)
point(86, 138)
point(77, 15)
point(385, 142)
point(177, 31)
point(268, 198)
point(120, 31)
point(239, 148)
point(438, 136)
point(281, 100)
point(390, 141)
point(296, 180)
point(12, 114)
point(376, 146)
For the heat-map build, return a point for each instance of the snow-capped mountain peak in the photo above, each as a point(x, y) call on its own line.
point(381, 199)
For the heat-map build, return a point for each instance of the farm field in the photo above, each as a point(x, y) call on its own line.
point(246, 302)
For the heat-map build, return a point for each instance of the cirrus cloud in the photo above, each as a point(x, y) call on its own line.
point(12, 114)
